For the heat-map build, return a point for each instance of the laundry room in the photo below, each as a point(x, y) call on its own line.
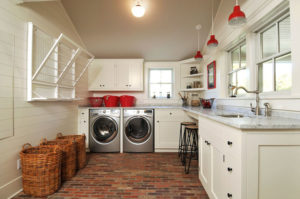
point(149, 99)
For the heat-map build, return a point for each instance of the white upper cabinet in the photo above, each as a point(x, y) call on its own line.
point(102, 75)
point(116, 74)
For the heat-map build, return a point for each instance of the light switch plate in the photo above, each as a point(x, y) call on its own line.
point(19, 164)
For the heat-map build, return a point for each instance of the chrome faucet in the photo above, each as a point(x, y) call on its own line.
point(256, 110)
point(268, 109)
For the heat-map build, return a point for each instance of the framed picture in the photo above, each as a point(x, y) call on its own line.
point(211, 75)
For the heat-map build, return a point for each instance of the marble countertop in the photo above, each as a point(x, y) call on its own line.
point(248, 122)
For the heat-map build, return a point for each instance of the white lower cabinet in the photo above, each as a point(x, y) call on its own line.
point(253, 164)
point(83, 124)
point(167, 128)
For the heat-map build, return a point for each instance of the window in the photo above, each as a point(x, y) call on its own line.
point(160, 82)
point(275, 61)
point(237, 74)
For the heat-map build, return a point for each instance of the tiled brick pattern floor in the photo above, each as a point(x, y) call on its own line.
point(145, 175)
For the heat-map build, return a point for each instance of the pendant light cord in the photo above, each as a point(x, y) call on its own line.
point(198, 40)
point(212, 18)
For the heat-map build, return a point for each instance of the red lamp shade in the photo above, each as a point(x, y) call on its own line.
point(212, 42)
point(198, 55)
point(237, 17)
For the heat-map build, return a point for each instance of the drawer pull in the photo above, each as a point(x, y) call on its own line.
point(229, 143)
point(229, 195)
point(82, 113)
point(84, 121)
point(207, 142)
point(229, 169)
point(157, 121)
point(170, 113)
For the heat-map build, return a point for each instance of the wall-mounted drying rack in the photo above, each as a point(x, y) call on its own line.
point(55, 65)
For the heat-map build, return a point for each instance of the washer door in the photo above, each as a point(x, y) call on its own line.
point(138, 129)
point(105, 129)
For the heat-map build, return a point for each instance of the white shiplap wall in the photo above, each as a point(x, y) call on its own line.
point(36, 120)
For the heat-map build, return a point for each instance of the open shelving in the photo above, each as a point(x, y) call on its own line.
point(194, 75)
point(193, 89)
point(54, 66)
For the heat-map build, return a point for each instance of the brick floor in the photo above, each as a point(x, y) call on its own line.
point(134, 175)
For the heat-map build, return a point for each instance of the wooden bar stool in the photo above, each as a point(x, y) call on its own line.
point(182, 124)
point(190, 146)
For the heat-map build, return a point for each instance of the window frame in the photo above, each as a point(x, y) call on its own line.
point(172, 82)
point(261, 60)
point(239, 46)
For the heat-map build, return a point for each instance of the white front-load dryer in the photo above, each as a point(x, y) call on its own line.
point(104, 133)
point(138, 132)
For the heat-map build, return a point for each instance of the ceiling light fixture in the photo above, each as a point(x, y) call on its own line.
point(198, 55)
point(138, 10)
point(212, 42)
point(237, 17)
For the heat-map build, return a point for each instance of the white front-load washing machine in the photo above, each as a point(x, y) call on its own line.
point(104, 133)
point(138, 132)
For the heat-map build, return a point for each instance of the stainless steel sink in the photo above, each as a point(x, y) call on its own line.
point(232, 115)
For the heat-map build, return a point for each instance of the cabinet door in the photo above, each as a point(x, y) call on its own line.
point(136, 75)
point(101, 75)
point(122, 71)
point(218, 174)
point(129, 74)
point(167, 135)
point(205, 163)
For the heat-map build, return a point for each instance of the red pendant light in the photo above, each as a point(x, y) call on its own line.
point(198, 55)
point(237, 17)
point(212, 42)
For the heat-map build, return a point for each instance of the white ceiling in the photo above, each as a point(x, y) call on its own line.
point(166, 32)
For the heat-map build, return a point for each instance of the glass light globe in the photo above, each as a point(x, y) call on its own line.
point(138, 11)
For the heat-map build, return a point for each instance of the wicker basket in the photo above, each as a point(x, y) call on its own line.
point(68, 162)
point(80, 147)
point(41, 169)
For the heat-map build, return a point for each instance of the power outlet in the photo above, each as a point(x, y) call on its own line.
point(19, 164)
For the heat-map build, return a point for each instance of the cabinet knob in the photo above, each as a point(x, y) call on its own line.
point(229, 195)
point(84, 121)
point(129, 85)
point(207, 142)
point(229, 169)
point(82, 113)
point(157, 121)
point(126, 85)
point(229, 143)
point(170, 113)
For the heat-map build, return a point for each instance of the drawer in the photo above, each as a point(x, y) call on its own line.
point(225, 138)
point(171, 115)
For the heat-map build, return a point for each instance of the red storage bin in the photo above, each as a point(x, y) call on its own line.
point(127, 101)
point(111, 101)
point(96, 101)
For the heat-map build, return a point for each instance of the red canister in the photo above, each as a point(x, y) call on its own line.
point(96, 101)
point(111, 101)
point(127, 101)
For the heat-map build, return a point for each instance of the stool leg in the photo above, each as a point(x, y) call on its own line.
point(190, 152)
point(183, 148)
point(180, 142)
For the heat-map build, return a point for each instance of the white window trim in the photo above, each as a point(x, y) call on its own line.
point(173, 83)
point(275, 21)
point(236, 46)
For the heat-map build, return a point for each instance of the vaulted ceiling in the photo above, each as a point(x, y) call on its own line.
point(166, 32)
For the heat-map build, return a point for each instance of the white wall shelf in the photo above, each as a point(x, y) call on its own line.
point(190, 61)
point(54, 66)
point(194, 75)
point(193, 89)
